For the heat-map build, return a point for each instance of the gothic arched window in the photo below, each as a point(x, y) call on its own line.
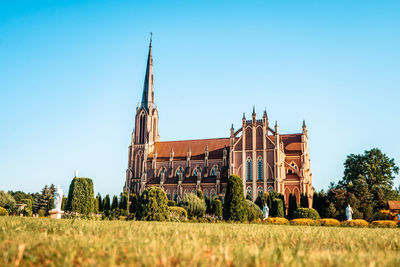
point(260, 191)
point(179, 171)
point(162, 171)
point(196, 171)
point(249, 191)
point(259, 169)
point(249, 176)
point(214, 170)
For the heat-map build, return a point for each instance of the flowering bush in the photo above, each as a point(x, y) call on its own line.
point(387, 224)
point(304, 221)
point(276, 220)
point(329, 222)
point(355, 223)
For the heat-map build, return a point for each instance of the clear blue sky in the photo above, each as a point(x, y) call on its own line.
point(71, 74)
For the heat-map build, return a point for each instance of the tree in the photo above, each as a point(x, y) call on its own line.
point(114, 203)
point(258, 201)
point(19, 196)
point(153, 205)
point(123, 204)
point(331, 212)
point(7, 201)
point(194, 206)
point(303, 201)
point(42, 201)
point(292, 206)
point(217, 207)
point(100, 202)
point(277, 208)
point(208, 205)
point(81, 195)
point(234, 208)
point(133, 202)
point(320, 203)
point(372, 172)
point(107, 204)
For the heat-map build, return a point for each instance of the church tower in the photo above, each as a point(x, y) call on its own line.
point(145, 133)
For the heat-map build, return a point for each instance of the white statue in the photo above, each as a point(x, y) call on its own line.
point(349, 213)
point(266, 212)
point(58, 196)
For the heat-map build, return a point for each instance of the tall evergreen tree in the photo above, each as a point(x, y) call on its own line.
point(106, 203)
point(100, 201)
point(234, 208)
point(123, 204)
point(133, 202)
point(292, 206)
point(114, 203)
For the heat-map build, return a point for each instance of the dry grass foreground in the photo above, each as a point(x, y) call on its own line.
point(47, 242)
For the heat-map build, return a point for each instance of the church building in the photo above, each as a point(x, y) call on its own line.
point(265, 159)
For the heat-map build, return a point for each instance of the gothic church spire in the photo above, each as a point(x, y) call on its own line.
point(148, 89)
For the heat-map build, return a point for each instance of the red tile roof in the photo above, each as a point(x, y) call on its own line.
point(197, 148)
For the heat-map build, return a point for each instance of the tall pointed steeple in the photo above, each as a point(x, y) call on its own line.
point(148, 89)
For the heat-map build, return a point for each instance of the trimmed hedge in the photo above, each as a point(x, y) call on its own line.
point(306, 213)
point(253, 212)
point(329, 222)
point(171, 203)
point(177, 213)
point(3, 212)
point(355, 223)
point(235, 205)
point(304, 221)
point(384, 224)
point(153, 205)
point(276, 220)
point(80, 196)
point(194, 206)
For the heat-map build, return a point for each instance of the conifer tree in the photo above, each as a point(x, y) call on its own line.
point(100, 202)
point(114, 203)
point(106, 203)
point(234, 208)
point(292, 206)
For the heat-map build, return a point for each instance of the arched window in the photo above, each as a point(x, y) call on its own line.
point(214, 170)
point(212, 194)
point(270, 188)
point(179, 171)
point(259, 169)
point(249, 191)
point(249, 176)
point(260, 191)
point(162, 171)
point(205, 193)
point(168, 194)
point(196, 171)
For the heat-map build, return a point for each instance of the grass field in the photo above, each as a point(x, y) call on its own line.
point(30, 241)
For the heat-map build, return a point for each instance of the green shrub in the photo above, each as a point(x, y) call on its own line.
point(200, 194)
point(3, 212)
point(177, 213)
point(217, 207)
point(41, 213)
point(133, 203)
point(114, 203)
point(7, 201)
point(153, 205)
point(194, 206)
point(307, 213)
point(80, 196)
point(171, 203)
point(234, 208)
point(277, 208)
point(253, 212)
point(28, 207)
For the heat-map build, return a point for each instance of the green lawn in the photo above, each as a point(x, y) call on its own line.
point(109, 243)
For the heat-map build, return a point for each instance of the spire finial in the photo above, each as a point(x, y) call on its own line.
point(244, 116)
point(304, 123)
point(254, 110)
point(151, 37)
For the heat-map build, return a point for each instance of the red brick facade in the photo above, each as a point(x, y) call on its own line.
point(265, 159)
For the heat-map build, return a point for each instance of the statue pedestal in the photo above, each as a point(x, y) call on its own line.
point(56, 214)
